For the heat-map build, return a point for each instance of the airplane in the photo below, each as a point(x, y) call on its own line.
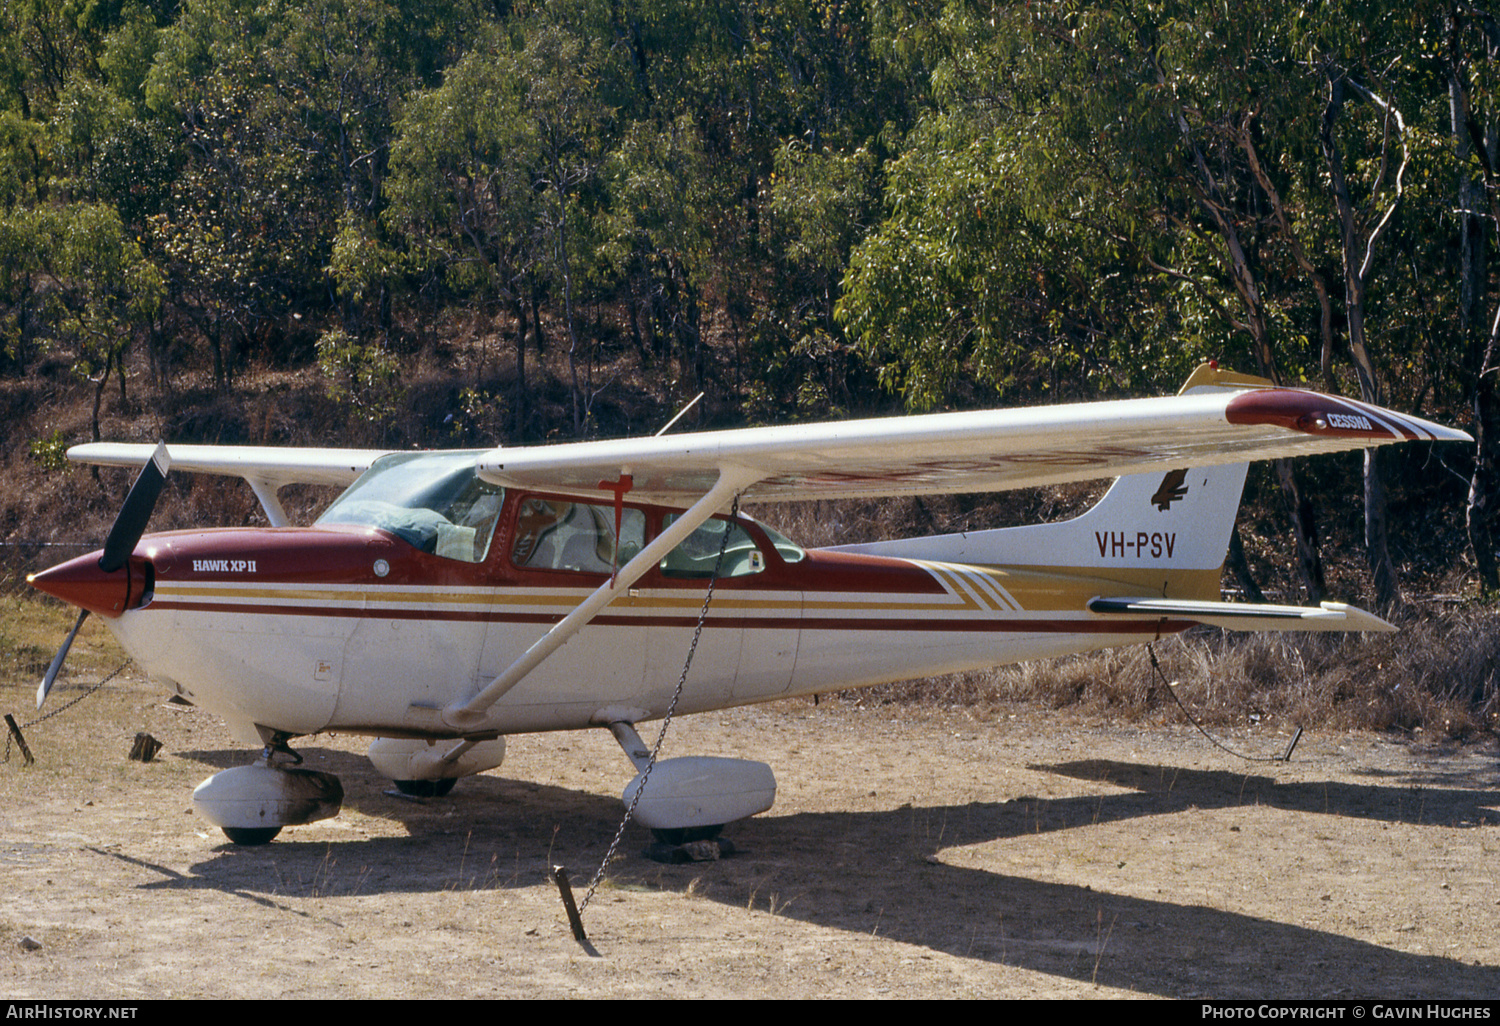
point(447, 599)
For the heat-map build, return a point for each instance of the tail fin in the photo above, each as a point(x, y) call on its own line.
point(1154, 546)
point(1174, 522)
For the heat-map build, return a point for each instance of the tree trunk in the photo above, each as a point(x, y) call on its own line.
point(99, 395)
point(1241, 569)
point(1356, 264)
point(1474, 141)
point(1479, 512)
point(519, 403)
point(1247, 285)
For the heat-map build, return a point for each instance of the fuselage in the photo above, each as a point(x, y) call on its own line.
point(354, 628)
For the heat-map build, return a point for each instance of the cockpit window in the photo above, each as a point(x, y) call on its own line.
point(555, 534)
point(433, 500)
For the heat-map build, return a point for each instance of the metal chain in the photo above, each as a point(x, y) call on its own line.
point(1202, 730)
point(64, 707)
point(708, 597)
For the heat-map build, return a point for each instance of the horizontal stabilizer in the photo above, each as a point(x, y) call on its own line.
point(1247, 616)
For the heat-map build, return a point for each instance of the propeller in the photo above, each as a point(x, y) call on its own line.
point(128, 527)
point(131, 523)
point(57, 660)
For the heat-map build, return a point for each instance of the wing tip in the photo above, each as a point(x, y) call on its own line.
point(1313, 413)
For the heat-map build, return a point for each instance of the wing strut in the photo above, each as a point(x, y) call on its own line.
point(732, 479)
point(266, 492)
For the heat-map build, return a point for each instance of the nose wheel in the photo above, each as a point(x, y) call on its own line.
point(252, 803)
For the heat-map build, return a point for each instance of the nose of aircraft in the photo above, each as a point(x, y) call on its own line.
point(80, 582)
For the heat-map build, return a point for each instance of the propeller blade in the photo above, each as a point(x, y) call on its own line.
point(131, 523)
point(57, 660)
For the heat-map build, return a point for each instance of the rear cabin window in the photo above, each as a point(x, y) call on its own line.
point(698, 553)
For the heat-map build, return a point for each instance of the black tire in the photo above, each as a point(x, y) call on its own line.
point(426, 788)
point(251, 835)
point(682, 835)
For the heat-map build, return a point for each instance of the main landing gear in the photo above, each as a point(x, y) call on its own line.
point(683, 801)
point(252, 803)
point(429, 769)
point(689, 799)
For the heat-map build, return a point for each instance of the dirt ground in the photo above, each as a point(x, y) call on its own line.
point(911, 853)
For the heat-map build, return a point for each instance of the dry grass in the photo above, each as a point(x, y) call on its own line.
point(1439, 675)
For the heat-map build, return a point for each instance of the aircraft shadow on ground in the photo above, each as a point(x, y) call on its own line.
point(881, 872)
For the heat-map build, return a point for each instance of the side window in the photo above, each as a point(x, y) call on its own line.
point(555, 534)
point(696, 556)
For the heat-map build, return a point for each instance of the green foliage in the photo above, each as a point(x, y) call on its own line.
point(783, 199)
point(73, 279)
point(50, 452)
point(360, 261)
point(361, 376)
point(822, 201)
point(461, 187)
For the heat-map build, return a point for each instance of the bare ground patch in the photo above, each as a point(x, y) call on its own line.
point(911, 853)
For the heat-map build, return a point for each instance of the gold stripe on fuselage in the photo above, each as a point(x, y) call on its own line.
point(967, 589)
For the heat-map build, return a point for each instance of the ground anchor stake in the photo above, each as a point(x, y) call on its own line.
point(560, 877)
point(15, 732)
point(1287, 755)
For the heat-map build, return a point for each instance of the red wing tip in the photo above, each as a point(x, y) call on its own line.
point(1313, 413)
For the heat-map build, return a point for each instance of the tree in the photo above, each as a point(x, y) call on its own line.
point(1192, 168)
point(559, 74)
point(659, 230)
point(462, 192)
point(1473, 44)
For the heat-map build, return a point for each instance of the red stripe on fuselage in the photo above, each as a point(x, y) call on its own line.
point(1008, 625)
point(347, 556)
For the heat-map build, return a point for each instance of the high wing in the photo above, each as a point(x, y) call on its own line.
point(276, 465)
point(266, 468)
point(1218, 418)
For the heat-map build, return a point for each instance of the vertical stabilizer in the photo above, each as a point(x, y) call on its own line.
point(1177, 520)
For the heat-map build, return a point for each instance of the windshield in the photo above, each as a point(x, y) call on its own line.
point(433, 500)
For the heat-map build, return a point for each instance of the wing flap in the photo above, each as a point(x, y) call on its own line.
point(1247, 616)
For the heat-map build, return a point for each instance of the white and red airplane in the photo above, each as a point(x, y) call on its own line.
point(447, 599)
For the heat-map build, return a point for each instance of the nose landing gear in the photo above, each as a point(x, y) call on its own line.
point(252, 803)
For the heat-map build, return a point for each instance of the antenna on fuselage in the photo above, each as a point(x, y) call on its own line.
point(680, 414)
